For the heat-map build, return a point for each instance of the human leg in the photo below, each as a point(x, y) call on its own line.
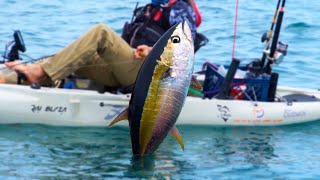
point(116, 60)
point(99, 52)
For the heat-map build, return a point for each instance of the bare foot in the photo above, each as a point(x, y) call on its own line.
point(2, 80)
point(33, 72)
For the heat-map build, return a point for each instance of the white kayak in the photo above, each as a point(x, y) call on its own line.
point(74, 107)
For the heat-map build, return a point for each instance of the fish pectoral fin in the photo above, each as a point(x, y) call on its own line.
point(196, 84)
point(166, 73)
point(176, 134)
point(122, 116)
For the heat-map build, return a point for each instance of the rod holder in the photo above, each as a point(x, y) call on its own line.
point(225, 87)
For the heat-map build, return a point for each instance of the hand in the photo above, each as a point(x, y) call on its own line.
point(141, 52)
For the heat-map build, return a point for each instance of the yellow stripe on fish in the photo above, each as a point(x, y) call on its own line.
point(152, 103)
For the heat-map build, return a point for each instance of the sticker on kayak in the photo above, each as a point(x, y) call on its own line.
point(258, 112)
point(293, 114)
point(256, 121)
point(51, 109)
point(113, 112)
point(224, 112)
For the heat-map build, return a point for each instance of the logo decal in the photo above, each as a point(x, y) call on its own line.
point(293, 114)
point(224, 112)
point(51, 109)
point(258, 112)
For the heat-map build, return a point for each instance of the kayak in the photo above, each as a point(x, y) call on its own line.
point(76, 107)
point(251, 98)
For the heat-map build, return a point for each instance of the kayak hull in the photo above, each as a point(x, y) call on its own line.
point(73, 107)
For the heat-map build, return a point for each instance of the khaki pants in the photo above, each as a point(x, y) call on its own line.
point(100, 55)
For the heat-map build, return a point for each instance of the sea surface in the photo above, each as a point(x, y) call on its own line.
point(286, 152)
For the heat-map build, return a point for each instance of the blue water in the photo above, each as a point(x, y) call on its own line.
point(289, 152)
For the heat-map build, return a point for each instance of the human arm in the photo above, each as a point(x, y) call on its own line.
point(182, 11)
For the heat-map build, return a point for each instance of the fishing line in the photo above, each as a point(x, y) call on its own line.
point(235, 29)
point(32, 59)
point(73, 67)
point(8, 44)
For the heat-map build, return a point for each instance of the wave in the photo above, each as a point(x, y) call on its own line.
point(298, 25)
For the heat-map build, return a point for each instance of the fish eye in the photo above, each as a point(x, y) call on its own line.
point(175, 39)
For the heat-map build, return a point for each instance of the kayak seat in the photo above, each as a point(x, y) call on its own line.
point(300, 98)
point(241, 88)
point(77, 82)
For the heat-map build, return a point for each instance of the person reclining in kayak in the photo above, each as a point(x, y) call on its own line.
point(102, 55)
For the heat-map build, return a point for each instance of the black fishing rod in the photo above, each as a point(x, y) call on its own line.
point(224, 91)
point(275, 39)
point(267, 37)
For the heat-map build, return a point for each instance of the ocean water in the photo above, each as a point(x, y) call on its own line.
point(287, 152)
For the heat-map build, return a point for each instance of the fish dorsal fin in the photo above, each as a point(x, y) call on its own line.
point(176, 134)
point(122, 116)
point(196, 84)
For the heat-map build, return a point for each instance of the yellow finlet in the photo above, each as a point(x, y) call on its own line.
point(122, 116)
point(176, 134)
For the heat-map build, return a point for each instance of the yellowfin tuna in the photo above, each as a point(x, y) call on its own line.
point(160, 91)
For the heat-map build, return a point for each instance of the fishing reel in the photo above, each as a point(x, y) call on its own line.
point(15, 46)
point(254, 68)
point(279, 54)
point(264, 37)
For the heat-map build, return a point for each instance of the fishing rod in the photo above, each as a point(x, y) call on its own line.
point(266, 37)
point(275, 39)
point(225, 86)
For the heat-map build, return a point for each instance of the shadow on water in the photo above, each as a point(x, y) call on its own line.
point(142, 167)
